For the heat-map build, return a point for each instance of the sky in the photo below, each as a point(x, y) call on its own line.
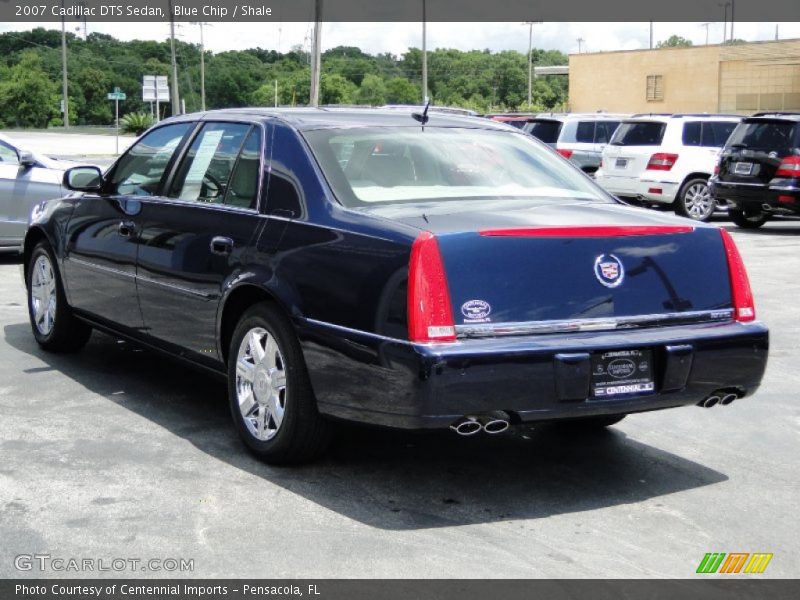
point(396, 38)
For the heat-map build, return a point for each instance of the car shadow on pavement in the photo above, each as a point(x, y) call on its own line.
point(388, 479)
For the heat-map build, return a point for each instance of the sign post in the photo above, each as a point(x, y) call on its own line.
point(116, 96)
point(155, 88)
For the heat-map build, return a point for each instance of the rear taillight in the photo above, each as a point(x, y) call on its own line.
point(430, 316)
point(564, 152)
point(661, 161)
point(743, 306)
point(716, 169)
point(789, 167)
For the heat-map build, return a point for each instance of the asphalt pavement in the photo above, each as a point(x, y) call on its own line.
point(115, 452)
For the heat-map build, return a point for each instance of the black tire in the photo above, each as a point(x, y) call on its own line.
point(748, 220)
point(590, 423)
point(686, 203)
point(66, 333)
point(302, 434)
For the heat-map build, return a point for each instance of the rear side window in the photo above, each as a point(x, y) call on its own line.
point(709, 134)
point(604, 131)
point(545, 130)
point(585, 132)
point(768, 136)
point(639, 133)
point(205, 172)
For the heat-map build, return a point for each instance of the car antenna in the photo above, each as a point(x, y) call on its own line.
point(422, 117)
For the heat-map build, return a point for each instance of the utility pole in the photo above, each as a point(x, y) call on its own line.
point(776, 32)
point(725, 5)
point(64, 86)
point(733, 7)
point(530, 25)
point(174, 93)
point(202, 70)
point(706, 26)
point(316, 58)
point(424, 55)
point(276, 93)
point(651, 35)
point(580, 41)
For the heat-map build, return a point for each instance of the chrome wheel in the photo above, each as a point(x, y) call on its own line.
point(697, 201)
point(261, 383)
point(43, 295)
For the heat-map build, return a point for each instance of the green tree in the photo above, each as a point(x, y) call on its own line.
point(27, 96)
point(400, 90)
point(674, 41)
point(336, 89)
point(372, 91)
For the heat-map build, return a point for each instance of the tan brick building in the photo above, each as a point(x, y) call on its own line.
point(741, 78)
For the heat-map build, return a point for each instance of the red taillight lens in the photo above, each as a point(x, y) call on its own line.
point(564, 152)
point(716, 169)
point(661, 161)
point(789, 167)
point(742, 297)
point(430, 316)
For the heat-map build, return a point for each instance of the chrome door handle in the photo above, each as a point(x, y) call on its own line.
point(221, 245)
point(127, 229)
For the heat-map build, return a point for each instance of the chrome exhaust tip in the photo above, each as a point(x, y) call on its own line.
point(466, 426)
point(728, 399)
point(766, 207)
point(710, 401)
point(493, 426)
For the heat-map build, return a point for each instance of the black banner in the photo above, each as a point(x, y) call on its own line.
point(393, 10)
point(712, 588)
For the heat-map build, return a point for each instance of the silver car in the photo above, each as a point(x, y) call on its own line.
point(577, 137)
point(26, 178)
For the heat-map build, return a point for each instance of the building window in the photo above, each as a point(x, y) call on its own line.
point(655, 88)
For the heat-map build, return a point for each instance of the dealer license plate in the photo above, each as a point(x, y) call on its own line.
point(743, 168)
point(622, 372)
point(621, 163)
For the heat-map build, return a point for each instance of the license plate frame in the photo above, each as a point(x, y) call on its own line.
point(622, 373)
point(743, 168)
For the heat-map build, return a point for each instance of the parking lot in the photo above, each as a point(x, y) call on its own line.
point(117, 452)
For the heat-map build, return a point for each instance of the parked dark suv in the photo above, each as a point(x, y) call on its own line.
point(759, 169)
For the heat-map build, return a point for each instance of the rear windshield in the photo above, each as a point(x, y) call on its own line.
point(545, 130)
point(639, 133)
point(768, 136)
point(372, 165)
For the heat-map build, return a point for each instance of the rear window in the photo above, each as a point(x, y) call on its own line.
point(547, 131)
point(406, 164)
point(709, 134)
point(768, 136)
point(639, 133)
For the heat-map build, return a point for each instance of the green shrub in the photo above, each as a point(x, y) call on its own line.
point(136, 123)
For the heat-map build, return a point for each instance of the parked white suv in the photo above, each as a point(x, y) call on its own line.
point(666, 159)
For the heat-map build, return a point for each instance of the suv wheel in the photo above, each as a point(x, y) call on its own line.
point(271, 399)
point(748, 220)
point(695, 200)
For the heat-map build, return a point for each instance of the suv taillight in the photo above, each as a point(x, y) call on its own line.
point(789, 167)
point(564, 152)
point(716, 169)
point(742, 297)
point(430, 315)
point(661, 161)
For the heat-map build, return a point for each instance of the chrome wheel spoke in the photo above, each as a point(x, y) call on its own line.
point(261, 423)
point(43, 297)
point(275, 409)
point(278, 379)
point(245, 370)
point(270, 353)
point(256, 348)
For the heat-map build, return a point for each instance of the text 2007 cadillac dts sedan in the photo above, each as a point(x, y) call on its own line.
point(414, 271)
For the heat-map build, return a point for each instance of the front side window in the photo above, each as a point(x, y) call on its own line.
point(716, 133)
point(205, 171)
point(139, 172)
point(406, 164)
point(8, 156)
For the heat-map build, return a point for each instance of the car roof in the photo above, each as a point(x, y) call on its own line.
point(563, 117)
point(668, 117)
point(771, 116)
point(307, 118)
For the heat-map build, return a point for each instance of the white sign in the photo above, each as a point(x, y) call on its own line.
point(155, 88)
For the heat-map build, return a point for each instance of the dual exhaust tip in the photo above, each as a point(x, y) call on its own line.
point(722, 398)
point(492, 423)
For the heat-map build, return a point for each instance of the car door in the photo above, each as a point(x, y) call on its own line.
point(198, 237)
point(103, 232)
point(21, 188)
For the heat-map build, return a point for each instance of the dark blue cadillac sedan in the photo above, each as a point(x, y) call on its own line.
point(400, 270)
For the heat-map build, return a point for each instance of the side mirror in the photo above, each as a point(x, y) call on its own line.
point(83, 179)
point(26, 159)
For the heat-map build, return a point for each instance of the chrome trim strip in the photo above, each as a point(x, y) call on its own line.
point(103, 268)
point(174, 288)
point(350, 330)
point(595, 324)
point(734, 184)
